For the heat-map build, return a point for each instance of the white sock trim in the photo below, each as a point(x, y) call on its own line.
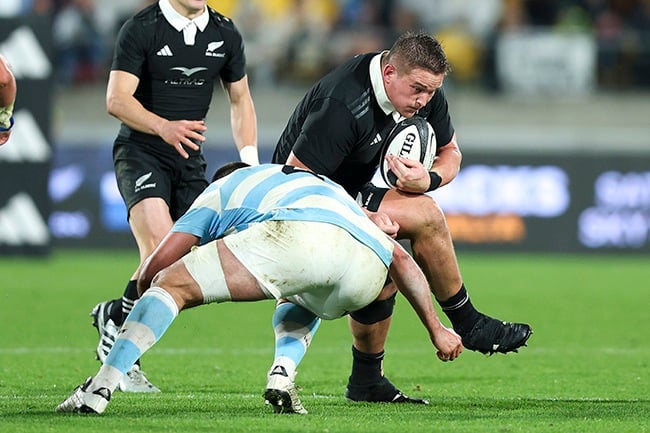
point(163, 296)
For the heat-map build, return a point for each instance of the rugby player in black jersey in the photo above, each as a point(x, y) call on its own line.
point(167, 59)
point(338, 129)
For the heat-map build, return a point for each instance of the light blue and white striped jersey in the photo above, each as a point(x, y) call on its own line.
point(275, 192)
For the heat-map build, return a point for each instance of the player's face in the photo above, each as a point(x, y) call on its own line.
point(189, 8)
point(410, 91)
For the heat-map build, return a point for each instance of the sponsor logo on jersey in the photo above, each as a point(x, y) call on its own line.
point(186, 79)
point(165, 51)
point(188, 72)
point(212, 48)
point(21, 222)
point(140, 182)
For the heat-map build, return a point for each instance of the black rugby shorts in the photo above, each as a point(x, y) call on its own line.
point(370, 196)
point(142, 171)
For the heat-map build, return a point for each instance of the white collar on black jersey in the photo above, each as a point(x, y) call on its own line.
point(178, 21)
point(378, 87)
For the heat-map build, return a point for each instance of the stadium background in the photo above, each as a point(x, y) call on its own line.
point(549, 99)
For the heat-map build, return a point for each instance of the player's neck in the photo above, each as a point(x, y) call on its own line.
point(188, 12)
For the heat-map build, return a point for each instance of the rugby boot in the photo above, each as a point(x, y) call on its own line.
point(491, 336)
point(379, 392)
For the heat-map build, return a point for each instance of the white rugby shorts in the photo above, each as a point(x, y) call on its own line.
point(316, 265)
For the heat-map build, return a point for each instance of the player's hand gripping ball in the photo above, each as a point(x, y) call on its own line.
point(412, 139)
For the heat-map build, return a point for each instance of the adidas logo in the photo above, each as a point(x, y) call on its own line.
point(278, 369)
point(21, 223)
point(165, 52)
point(27, 143)
point(376, 140)
point(105, 393)
point(26, 56)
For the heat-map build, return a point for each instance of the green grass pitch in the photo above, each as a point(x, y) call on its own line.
point(586, 368)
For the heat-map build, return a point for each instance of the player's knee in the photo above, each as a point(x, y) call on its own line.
point(160, 279)
point(169, 280)
point(429, 211)
point(375, 312)
point(425, 218)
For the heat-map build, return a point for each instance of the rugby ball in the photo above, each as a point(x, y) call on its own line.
point(413, 139)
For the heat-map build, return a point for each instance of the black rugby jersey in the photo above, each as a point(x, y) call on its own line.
point(334, 129)
point(176, 80)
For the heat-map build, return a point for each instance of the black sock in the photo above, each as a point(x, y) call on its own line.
point(128, 299)
point(115, 311)
point(366, 367)
point(460, 311)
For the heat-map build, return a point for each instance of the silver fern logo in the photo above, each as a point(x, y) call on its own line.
point(212, 48)
point(140, 182)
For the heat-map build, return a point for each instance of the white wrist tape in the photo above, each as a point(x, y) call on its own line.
point(248, 154)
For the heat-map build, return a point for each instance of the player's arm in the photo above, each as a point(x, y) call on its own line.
point(326, 139)
point(121, 104)
point(383, 221)
point(243, 120)
point(294, 161)
point(413, 177)
point(447, 162)
point(410, 280)
point(448, 155)
point(173, 246)
point(7, 99)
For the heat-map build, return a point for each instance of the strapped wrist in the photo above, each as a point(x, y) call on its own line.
point(11, 124)
point(435, 179)
point(248, 154)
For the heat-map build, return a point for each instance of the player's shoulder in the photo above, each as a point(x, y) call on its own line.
point(144, 22)
point(361, 59)
point(220, 20)
point(349, 83)
point(354, 71)
point(354, 90)
point(148, 14)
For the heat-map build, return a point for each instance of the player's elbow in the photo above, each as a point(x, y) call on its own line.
point(399, 263)
point(112, 104)
point(454, 150)
point(116, 103)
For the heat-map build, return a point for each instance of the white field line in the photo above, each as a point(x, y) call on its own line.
point(178, 396)
point(423, 349)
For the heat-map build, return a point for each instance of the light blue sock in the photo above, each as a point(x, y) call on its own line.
point(147, 322)
point(294, 328)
